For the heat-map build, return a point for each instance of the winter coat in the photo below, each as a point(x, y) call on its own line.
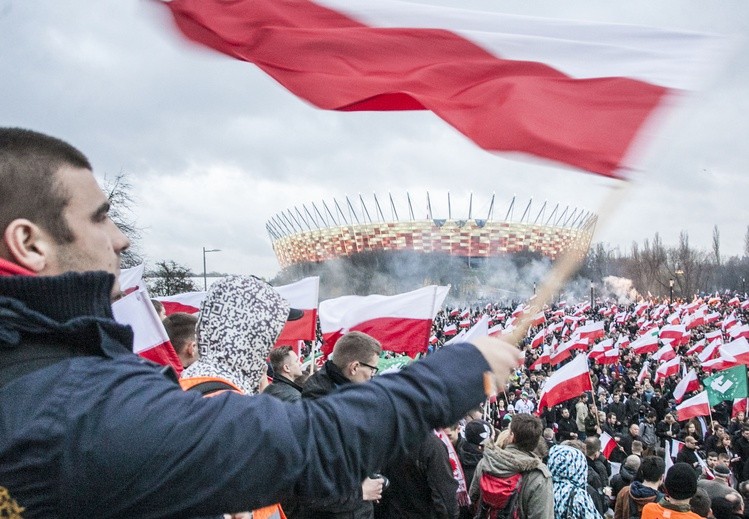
point(284, 389)
point(637, 494)
point(536, 494)
point(421, 485)
point(101, 432)
point(622, 479)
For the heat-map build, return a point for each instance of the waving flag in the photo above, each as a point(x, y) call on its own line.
point(667, 369)
point(402, 323)
point(693, 407)
point(608, 444)
point(189, 302)
point(150, 339)
point(728, 384)
point(686, 385)
point(302, 295)
point(569, 381)
point(645, 344)
point(573, 92)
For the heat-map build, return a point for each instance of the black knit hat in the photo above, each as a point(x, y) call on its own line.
point(477, 431)
point(681, 481)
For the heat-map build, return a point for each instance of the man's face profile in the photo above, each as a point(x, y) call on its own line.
point(97, 242)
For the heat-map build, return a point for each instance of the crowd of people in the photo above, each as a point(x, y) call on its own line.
point(87, 429)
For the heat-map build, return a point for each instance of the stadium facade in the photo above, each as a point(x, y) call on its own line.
point(316, 233)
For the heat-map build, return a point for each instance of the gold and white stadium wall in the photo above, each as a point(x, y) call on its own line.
point(325, 231)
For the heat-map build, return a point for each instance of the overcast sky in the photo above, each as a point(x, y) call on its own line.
point(214, 147)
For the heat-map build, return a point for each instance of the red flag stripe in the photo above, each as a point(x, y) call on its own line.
point(336, 62)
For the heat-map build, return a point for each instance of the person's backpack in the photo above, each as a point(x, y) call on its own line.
point(500, 497)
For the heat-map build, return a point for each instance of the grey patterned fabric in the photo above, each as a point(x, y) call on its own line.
point(240, 319)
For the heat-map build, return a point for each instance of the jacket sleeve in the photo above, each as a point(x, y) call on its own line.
point(474, 488)
point(144, 448)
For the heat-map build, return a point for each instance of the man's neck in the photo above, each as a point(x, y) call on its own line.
point(651, 484)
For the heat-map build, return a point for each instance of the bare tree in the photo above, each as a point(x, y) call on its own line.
point(170, 278)
point(119, 192)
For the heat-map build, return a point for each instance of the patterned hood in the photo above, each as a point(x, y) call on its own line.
point(569, 474)
point(240, 320)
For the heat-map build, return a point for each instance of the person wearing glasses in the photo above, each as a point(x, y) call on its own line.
point(354, 360)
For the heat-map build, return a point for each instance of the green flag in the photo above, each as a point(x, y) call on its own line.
point(728, 384)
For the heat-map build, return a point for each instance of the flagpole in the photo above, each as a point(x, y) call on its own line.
point(598, 421)
point(563, 268)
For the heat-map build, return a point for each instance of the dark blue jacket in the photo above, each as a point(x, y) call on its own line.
point(102, 433)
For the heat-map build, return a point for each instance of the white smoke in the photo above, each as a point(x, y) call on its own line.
point(620, 289)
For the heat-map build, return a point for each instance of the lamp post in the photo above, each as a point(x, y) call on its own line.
point(671, 291)
point(591, 295)
point(205, 272)
point(534, 288)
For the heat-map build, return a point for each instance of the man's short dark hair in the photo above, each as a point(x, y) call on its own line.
point(29, 188)
point(526, 430)
point(700, 503)
point(355, 346)
point(592, 446)
point(180, 327)
point(651, 469)
point(278, 358)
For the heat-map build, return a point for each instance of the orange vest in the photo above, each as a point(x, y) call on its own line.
point(212, 386)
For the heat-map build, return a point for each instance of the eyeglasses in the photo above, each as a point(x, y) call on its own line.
point(374, 369)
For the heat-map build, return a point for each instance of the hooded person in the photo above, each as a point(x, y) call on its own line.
point(240, 319)
point(569, 470)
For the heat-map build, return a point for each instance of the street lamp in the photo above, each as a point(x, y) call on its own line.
point(205, 272)
point(671, 291)
point(534, 288)
point(591, 295)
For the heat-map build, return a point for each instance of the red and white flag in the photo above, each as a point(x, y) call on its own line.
point(713, 335)
point(577, 93)
point(696, 348)
point(738, 349)
point(608, 444)
point(150, 339)
point(591, 331)
point(686, 385)
point(693, 407)
point(644, 372)
point(645, 344)
point(132, 279)
point(676, 333)
point(609, 357)
point(302, 295)
point(561, 353)
point(667, 369)
point(402, 323)
point(189, 302)
point(450, 330)
point(739, 406)
point(538, 339)
point(724, 361)
point(570, 381)
point(665, 353)
point(739, 331)
point(544, 358)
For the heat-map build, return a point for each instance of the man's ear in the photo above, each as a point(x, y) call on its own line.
point(28, 245)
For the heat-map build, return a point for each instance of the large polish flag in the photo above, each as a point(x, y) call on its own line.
point(591, 331)
point(573, 92)
point(739, 331)
point(302, 295)
point(150, 339)
point(686, 385)
point(645, 344)
point(402, 323)
point(676, 333)
point(570, 381)
point(738, 349)
point(189, 302)
point(693, 407)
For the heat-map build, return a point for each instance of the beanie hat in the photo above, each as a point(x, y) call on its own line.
point(722, 470)
point(681, 481)
point(477, 431)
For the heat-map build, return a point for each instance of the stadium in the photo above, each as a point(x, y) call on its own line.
point(316, 233)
